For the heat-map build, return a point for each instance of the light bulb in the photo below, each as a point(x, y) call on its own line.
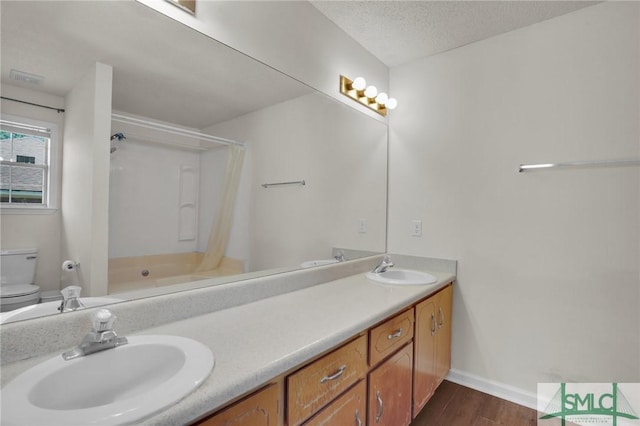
point(359, 83)
point(382, 98)
point(371, 92)
point(391, 103)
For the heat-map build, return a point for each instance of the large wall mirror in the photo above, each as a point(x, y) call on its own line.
point(291, 179)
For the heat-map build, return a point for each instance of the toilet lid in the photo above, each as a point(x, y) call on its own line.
point(15, 290)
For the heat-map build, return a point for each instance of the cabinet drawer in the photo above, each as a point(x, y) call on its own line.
point(259, 409)
point(318, 383)
point(349, 409)
point(390, 336)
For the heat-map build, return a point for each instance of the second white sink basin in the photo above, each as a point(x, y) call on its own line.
point(116, 386)
point(395, 276)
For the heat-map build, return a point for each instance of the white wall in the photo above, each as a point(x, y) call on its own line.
point(340, 153)
point(85, 178)
point(548, 285)
point(35, 230)
point(144, 198)
point(290, 36)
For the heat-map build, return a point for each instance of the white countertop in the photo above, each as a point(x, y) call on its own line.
point(257, 342)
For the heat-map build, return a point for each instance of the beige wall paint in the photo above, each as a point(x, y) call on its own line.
point(85, 184)
point(548, 262)
point(41, 231)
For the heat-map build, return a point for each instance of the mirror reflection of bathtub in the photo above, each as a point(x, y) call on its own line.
point(292, 132)
point(51, 308)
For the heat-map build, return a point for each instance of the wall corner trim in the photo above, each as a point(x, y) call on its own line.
point(497, 389)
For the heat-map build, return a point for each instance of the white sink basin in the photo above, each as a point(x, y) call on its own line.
point(51, 308)
point(395, 276)
point(116, 386)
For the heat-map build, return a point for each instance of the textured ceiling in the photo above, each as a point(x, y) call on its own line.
point(397, 32)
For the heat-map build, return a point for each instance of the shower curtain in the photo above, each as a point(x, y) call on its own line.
point(221, 227)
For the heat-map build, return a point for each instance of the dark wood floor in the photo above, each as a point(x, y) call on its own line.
point(456, 405)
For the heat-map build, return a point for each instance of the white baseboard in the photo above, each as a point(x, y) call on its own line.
point(496, 389)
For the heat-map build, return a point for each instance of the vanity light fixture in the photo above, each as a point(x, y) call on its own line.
point(368, 96)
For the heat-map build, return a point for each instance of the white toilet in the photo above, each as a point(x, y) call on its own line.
point(18, 270)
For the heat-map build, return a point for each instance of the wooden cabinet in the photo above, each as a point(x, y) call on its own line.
point(374, 379)
point(432, 340)
point(390, 390)
point(443, 335)
point(259, 409)
point(390, 336)
point(349, 409)
point(315, 385)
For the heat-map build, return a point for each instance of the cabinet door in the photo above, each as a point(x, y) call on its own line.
point(424, 375)
point(443, 336)
point(390, 390)
point(348, 410)
point(259, 409)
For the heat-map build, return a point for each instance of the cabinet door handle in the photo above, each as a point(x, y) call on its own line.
point(334, 375)
point(358, 421)
point(380, 407)
point(441, 317)
point(395, 334)
point(433, 323)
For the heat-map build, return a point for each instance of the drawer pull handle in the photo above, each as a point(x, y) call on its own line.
point(335, 375)
point(433, 324)
point(380, 407)
point(441, 317)
point(358, 421)
point(397, 333)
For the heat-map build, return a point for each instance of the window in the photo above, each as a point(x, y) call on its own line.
point(27, 169)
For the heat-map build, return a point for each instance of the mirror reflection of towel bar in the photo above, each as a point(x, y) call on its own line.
point(297, 182)
point(577, 164)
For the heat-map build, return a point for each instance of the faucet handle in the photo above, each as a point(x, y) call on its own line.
point(103, 320)
point(71, 291)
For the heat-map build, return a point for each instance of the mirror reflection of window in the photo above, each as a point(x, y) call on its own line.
point(24, 164)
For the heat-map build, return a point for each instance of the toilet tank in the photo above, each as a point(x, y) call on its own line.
point(18, 266)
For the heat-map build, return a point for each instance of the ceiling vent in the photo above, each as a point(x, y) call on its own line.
point(25, 77)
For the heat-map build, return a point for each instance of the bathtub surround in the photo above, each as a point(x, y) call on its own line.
point(548, 274)
point(128, 274)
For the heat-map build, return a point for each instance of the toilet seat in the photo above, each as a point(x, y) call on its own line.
point(19, 293)
point(16, 290)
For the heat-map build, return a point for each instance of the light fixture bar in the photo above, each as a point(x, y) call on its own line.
point(347, 89)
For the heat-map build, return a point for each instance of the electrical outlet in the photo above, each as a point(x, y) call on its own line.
point(362, 226)
point(416, 228)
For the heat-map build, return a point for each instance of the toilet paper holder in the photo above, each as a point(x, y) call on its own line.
point(70, 265)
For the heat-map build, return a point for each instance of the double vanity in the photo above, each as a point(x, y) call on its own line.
point(305, 347)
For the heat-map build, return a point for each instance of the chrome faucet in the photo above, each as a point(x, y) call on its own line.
point(340, 256)
point(384, 265)
point(71, 296)
point(100, 338)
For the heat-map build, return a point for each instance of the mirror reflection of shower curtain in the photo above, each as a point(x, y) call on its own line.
point(221, 228)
